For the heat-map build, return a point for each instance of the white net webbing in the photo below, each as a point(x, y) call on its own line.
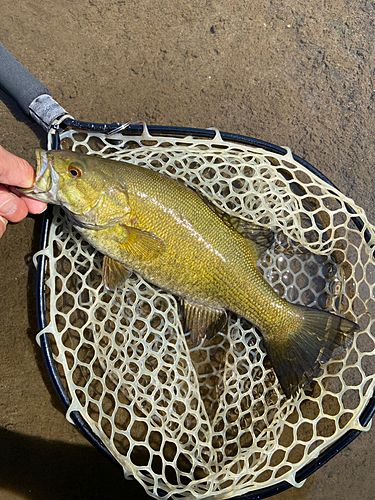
point(210, 420)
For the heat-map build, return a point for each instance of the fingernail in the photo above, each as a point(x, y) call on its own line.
point(43, 210)
point(8, 207)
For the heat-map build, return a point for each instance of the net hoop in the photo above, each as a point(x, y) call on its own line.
point(363, 420)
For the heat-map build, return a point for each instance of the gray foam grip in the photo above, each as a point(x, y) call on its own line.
point(18, 82)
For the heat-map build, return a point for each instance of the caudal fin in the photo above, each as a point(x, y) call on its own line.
point(297, 359)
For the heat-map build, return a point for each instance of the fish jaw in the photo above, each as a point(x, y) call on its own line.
point(46, 181)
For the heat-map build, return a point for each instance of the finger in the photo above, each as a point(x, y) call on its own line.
point(3, 225)
point(12, 208)
point(15, 171)
point(34, 206)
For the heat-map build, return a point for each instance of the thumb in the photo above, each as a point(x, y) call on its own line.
point(15, 171)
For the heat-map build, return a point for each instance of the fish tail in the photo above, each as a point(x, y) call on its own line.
point(296, 358)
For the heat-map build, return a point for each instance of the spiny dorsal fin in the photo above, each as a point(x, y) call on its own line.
point(114, 273)
point(262, 237)
point(202, 321)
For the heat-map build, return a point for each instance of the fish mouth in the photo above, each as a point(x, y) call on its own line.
point(46, 180)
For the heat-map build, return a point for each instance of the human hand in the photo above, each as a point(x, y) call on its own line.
point(14, 207)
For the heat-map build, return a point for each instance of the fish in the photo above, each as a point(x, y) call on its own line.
point(174, 237)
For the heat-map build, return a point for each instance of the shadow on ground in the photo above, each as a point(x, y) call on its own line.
point(37, 468)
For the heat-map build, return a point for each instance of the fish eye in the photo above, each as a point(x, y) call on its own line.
point(75, 170)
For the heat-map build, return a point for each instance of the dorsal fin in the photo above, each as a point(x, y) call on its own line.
point(262, 237)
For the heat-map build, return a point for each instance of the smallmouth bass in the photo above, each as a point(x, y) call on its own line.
point(172, 236)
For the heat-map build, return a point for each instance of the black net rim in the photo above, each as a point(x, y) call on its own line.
point(77, 418)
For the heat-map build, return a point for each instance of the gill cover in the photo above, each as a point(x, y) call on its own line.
point(80, 184)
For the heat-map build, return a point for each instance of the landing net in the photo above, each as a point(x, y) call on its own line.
point(212, 420)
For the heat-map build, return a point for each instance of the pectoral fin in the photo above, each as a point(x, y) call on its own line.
point(203, 322)
point(114, 273)
point(141, 244)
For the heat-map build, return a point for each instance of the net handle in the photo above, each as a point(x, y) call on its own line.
point(32, 97)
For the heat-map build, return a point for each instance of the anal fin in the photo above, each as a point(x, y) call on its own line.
point(202, 321)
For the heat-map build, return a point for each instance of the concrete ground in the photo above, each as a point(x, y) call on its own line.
point(298, 73)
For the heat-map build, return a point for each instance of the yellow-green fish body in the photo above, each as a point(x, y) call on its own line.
point(201, 258)
point(143, 220)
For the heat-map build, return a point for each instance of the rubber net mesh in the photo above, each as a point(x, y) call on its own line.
point(211, 420)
